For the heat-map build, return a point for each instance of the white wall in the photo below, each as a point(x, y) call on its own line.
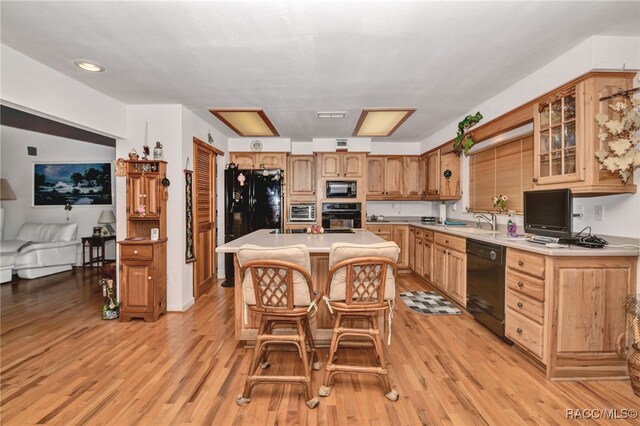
point(17, 168)
point(30, 86)
point(401, 208)
point(268, 144)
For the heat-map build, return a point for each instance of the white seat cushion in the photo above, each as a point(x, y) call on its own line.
point(297, 254)
point(47, 232)
point(345, 251)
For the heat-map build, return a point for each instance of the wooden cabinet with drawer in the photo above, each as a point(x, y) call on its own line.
point(524, 322)
point(398, 234)
point(143, 278)
point(450, 266)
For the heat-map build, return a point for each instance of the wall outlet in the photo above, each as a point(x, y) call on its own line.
point(578, 212)
point(599, 216)
point(454, 207)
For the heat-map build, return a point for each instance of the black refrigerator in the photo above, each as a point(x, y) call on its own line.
point(253, 200)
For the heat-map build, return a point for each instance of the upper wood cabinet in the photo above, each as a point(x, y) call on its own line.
point(338, 164)
point(256, 160)
point(146, 198)
point(301, 175)
point(411, 177)
point(393, 177)
point(442, 176)
point(424, 168)
point(566, 137)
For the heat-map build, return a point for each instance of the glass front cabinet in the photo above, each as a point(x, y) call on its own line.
point(558, 157)
point(566, 136)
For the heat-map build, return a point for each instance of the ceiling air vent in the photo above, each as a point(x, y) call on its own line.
point(341, 144)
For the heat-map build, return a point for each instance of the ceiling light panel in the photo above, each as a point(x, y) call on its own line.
point(381, 122)
point(246, 122)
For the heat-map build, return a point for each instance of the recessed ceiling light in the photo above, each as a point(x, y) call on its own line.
point(380, 122)
point(246, 121)
point(89, 66)
point(332, 114)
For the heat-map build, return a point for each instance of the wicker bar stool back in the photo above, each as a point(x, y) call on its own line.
point(278, 287)
point(361, 285)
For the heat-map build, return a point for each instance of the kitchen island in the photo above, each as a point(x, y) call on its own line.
point(318, 245)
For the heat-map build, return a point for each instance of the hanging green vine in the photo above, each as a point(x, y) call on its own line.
point(464, 139)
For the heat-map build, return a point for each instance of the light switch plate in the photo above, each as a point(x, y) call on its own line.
point(599, 216)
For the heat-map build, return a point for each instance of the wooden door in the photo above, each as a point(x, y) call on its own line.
point(427, 260)
point(136, 286)
point(439, 271)
point(393, 177)
point(330, 165)
point(352, 165)
point(204, 215)
point(418, 253)
point(135, 194)
point(456, 276)
point(433, 173)
point(411, 177)
point(400, 235)
point(272, 160)
point(424, 163)
point(244, 160)
point(412, 248)
point(450, 187)
point(301, 175)
point(375, 175)
point(151, 194)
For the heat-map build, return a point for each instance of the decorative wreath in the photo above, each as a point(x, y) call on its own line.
point(623, 156)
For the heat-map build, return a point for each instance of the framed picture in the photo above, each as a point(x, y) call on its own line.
point(56, 184)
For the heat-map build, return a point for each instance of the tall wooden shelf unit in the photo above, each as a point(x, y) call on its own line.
point(143, 262)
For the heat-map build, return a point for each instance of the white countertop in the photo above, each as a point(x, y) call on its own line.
point(500, 238)
point(317, 243)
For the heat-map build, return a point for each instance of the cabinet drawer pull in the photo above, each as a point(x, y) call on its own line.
point(446, 241)
point(534, 180)
point(520, 284)
point(135, 252)
point(520, 305)
point(149, 277)
point(520, 263)
point(519, 330)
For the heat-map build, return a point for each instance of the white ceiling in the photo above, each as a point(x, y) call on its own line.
point(294, 58)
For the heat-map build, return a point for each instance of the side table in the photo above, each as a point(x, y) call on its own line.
point(95, 244)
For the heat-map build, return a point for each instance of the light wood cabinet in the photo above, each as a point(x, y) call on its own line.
point(450, 266)
point(412, 247)
point(567, 312)
point(336, 164)
point(384, 177)
point(398, 234)
point(424, 174)
point(257, 160)
point(393, 178)
point(427, 258)
point(566, 137)
point(301, 176)
point(442, 176)
point(419, 253)
point(411, 186)
point(143, 276)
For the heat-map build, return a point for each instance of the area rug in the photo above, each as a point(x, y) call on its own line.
point(428, 302)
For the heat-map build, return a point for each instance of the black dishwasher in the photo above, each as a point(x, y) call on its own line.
point(485, 285)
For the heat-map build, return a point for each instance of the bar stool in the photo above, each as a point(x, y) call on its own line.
point(278, 287)
point(361, 285)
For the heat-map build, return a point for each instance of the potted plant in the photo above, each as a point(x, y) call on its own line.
point(632, 309)
point(464, 139)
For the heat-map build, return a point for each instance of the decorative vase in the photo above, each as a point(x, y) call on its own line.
point(633, 363)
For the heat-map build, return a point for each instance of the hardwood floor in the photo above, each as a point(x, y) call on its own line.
point(62, 364)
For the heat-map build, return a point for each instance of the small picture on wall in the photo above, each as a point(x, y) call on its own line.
point(74, 183)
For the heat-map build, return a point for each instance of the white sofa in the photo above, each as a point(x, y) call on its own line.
point(40, 249)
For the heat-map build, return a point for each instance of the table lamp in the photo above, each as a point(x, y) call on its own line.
point(6, 193)
point(107, 217)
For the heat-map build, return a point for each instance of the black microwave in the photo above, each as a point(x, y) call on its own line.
point(342, 189)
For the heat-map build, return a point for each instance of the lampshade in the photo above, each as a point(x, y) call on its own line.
point(6, 192)
point(107, 216)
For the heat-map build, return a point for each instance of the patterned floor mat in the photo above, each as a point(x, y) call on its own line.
point(428, 302)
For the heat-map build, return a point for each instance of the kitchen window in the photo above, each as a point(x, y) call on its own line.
point(506, 169)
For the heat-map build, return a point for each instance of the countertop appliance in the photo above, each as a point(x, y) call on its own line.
point(253, 200)
point(304, 212)
point(486, 285)
point(341, 189)
point(429, 220)
point(341, 216)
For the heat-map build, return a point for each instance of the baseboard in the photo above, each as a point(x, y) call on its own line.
point(181, 308)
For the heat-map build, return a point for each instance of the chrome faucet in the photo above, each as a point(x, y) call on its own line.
point(493, 221)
